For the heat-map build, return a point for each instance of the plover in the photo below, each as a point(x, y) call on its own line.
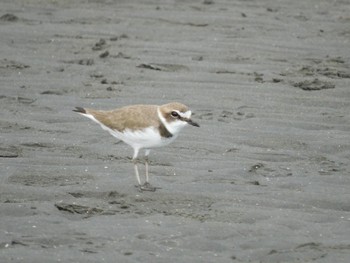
point(143, 127)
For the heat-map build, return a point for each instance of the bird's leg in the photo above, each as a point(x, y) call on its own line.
point(146, 166)
point(134, 160)
point(136, 171)
point(142, 187)
point(147, 186)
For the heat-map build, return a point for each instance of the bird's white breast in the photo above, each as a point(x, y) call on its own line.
point(145, 138)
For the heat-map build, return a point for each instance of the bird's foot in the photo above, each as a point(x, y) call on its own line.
point(147, 187)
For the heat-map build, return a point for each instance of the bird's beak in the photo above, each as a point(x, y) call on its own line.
point(189, 121)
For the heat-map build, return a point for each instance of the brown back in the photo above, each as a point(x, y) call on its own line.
point(129, 117)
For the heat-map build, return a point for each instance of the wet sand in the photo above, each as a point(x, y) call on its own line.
point(266, 177)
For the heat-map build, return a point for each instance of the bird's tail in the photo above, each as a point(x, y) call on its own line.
point(80, 110)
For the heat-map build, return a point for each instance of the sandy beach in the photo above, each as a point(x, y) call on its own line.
point(266, 178)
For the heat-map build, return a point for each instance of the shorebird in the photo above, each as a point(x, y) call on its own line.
point(143, 127)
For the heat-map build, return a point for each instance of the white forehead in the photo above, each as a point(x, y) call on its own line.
point(186, 114)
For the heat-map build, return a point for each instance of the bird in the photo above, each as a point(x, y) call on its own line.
point(143, 127)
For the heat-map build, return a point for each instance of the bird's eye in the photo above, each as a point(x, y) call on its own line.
point(174, 114)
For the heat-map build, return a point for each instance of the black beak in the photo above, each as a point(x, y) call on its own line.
point(189, 121)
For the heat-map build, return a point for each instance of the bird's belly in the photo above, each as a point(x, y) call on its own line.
point(145, 138)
